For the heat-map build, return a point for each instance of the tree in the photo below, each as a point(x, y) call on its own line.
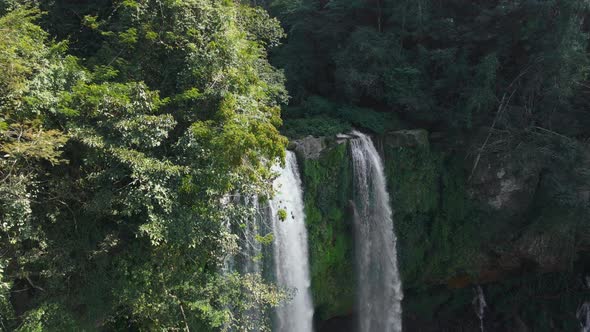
point(117, 168)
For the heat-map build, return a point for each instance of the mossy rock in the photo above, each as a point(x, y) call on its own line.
point(327, 182)
point(436, 224)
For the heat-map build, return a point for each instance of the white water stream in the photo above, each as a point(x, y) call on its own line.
point(379, 284)
point(290, 250)
point(480, 305)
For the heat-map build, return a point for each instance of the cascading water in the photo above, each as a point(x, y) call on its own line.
point(252, 249)
point(290, 249)
point(583, 312)
point(583, 315)
point(479, 303)
point(248, 258)
point(379, 285)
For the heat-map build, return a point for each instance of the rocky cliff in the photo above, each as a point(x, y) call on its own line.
point(463, 218)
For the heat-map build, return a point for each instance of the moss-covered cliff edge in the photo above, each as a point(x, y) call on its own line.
point(503, 224)
point(327, 181)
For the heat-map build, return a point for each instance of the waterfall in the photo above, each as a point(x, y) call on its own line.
point(583, 315)
point(252, 251)
point(583, 312)
point(379, 285)
point(479, 303)
point(252, 248)
point(248, 257)
point(290, 249)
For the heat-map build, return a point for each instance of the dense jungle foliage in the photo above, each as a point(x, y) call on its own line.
point(440, 65)
point(127, 125)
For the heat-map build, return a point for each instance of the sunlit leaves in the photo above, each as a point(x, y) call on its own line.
point(260, 25)
point(30, 141)
point(145, 130)
point(22, 48)
point(119, 163)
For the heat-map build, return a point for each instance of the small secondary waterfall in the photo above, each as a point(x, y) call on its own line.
point(252, 248)
point(479, 303)
point(583, 315)
point(379, 284)
point(290, 249)
point(583, 312)
point(248, 258)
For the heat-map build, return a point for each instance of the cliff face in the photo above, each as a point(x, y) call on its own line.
point(327, 181)
point(502, 224)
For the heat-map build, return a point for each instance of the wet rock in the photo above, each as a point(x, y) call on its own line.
point(503, 184)
point(407, 138)
point(550, 250)
point(310, 147)
point(342, 138)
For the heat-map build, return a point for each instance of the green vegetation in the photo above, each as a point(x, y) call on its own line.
point(499, 85)
point(451, 64)
point(327, 194)
point(126, 126)
point(546, 302)
point(118, 146)
point(282, 214)
point(436, 224)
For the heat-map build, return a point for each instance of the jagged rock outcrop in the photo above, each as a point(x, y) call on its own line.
point(503, 184)
point(310, 147)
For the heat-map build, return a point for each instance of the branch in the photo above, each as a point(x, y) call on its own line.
point(184, 317)
point(503, 103)
point(500, 107)
point(32, 284)
point(552, 132)
point(186, 327)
